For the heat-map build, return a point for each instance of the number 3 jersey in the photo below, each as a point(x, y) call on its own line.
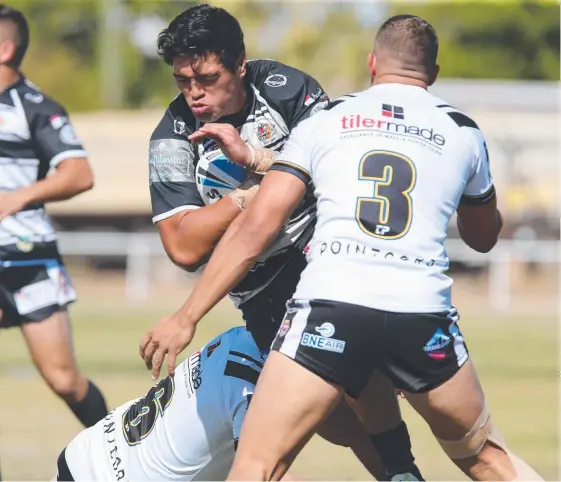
point(390, 166)
point(184, 428)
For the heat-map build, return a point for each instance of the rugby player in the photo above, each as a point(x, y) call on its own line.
point(36, 137)
point(390, 166)
point(206, 156)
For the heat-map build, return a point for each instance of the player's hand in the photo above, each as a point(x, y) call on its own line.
point(228, 139)
point(169, 336)
point(11, 203)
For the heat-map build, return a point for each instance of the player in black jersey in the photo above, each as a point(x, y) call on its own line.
point(35, 138)
point(233, 109)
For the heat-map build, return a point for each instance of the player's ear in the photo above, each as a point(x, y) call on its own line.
point(7, 51)
point(435, 74)
point(372, 65)
point(242, 67)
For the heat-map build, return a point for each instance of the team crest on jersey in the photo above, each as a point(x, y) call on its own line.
point(266, 132)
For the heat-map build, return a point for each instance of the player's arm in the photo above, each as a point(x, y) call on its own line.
point(58, 149)
point(246, 238)
point(188, 228)
point(479, 220)
point(189, 236)
point(281, 191)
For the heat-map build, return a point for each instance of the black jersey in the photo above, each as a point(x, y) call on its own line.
point(184, 176)
point(35, 136)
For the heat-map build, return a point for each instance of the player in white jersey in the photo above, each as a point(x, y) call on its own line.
point(199, 413)
point(390, 167)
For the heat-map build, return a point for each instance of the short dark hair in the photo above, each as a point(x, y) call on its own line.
point(21, 40)
point(202, 30)
point(410, 37)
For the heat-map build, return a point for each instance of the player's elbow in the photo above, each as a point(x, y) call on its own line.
point(188, 260)
point(483, 247)
point(78, 176)
point(86, 183)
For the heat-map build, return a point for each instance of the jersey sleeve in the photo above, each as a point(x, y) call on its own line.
point(295, 157)
point(479, 187)
point(171, 160)
point(52, 133)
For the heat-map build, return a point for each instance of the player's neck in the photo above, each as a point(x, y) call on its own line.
point(239, 103)
point(399, 79)
point(8, 77)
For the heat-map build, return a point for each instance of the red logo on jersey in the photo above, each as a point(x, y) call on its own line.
point(357, 122)
point(392, 111)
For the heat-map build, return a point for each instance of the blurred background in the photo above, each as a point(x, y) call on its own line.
point(499, 63)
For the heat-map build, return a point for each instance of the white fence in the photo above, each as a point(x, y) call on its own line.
point(139, 248)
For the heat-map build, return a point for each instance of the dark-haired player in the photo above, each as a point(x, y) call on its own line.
point(390, 166)
point(229, 109)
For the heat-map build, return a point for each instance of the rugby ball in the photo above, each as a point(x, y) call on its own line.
point(217, 176)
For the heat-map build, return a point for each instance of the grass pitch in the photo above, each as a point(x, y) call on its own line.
point(515, 356)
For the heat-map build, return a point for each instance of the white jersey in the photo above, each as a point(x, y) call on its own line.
point(389, 166)
point(184, 428)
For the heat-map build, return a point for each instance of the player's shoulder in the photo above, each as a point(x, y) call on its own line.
point(37, 102)
point(177, 122)
point(334, 108)
point(457, 124)
point(456, 116)
point(340, 103)
point(277, 81)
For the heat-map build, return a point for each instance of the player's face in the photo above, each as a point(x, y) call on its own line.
point(211, 90)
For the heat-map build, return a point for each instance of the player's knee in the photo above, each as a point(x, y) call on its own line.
point(481, 450)
point(64, 383)
point(471, 445)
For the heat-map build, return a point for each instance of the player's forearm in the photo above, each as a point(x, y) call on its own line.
point(234, 256)
point(65, 183)
point(199, 231)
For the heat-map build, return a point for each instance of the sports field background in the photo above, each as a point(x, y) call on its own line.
point(516, 356)
point(500, 64)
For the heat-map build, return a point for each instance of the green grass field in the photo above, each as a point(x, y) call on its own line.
point(516, 358)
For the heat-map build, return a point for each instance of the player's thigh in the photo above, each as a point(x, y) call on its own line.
point(335, 340)
point(342, 427)
point(50, 343)
point(453, 408)
point(288, 404)
point(378, 406)
point(427, 358)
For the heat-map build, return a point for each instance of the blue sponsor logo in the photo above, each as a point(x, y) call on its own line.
point(438, 341)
